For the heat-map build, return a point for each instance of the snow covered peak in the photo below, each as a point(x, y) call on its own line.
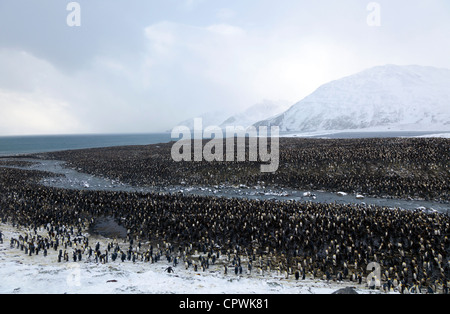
point(256, 113)
point(388, 96)
point(246, 118)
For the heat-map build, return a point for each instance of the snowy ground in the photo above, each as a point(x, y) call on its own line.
point(440, 135)
point(379, 131)
point(23, 274)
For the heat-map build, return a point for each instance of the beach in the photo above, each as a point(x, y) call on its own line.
point(215, 237)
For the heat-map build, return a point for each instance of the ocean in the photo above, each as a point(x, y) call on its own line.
point(19, 145)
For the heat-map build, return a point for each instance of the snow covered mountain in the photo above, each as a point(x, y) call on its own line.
point(382, 98)
point(250, 116)
point(256, 113)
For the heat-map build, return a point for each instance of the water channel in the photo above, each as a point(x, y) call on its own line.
point(68, 178)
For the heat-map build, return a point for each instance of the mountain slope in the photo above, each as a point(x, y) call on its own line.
point(256, 113)
point(246, 118)
point(385, 97)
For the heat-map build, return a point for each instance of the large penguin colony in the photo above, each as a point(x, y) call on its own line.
point(332, 242)
point(395, 167)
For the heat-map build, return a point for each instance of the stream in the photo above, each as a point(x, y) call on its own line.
point(74, 179)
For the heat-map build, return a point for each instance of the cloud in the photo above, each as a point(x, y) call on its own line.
point(191, 4)
point(38, 98)
point(195, 62)
point(33, 113)
point(144, 68)
point(226, 66)
point(33, 96)
point(225, 14)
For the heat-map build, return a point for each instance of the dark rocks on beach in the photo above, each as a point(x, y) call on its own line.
point(348, 290)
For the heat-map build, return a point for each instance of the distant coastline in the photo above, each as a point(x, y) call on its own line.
point(32, 144)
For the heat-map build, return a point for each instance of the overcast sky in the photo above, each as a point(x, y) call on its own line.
point(141, 66)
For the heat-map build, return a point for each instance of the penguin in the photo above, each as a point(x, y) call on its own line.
point(169, 270)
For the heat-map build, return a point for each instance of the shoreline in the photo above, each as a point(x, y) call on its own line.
point(331, 134)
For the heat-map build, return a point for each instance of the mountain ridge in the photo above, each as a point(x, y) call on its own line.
point(387, 96)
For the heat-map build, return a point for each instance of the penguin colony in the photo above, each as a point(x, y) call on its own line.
point(296, 240)
point(378, 167)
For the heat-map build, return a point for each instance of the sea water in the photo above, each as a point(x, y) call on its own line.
point(20, 145)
